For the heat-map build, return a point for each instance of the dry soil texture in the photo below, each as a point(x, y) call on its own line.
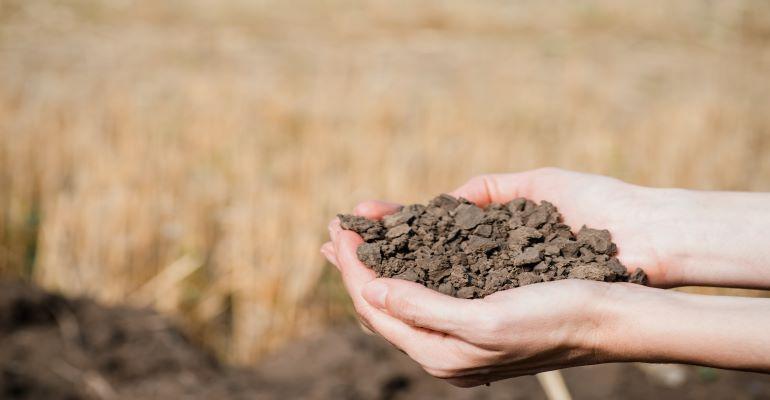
point(462, 250)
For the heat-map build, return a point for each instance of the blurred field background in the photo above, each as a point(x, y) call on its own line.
point(187, 155)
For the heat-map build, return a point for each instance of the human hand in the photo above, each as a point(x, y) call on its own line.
point(679, 237)
point(544, 326)
point(551, 325)
point(472, 342)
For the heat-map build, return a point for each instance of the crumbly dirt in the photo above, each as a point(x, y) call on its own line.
point(53, 347)
point(459, 249)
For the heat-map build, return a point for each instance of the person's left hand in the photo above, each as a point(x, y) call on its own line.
point(520, 331)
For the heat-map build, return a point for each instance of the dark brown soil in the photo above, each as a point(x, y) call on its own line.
point(57, 348)
point(459, 249)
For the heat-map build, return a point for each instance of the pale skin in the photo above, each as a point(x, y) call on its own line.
point(679, 237)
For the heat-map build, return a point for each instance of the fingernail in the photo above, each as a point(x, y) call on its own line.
point(375, 292)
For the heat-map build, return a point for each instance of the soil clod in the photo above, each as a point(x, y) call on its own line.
point(457, 248)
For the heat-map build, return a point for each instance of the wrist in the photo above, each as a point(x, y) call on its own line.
point(611, 318)
point(633, 317)
point(709, 238)
point(676, 216)
point(654, 325)
point(597, 330)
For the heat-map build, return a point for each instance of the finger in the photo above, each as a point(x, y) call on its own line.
point(419, 306)
point(334, 228)
point(425, 346)
point(480, 376)
point(495, 188)
point(375, 209)
point(365, 327)
point(354, 273)
point(428, 348)
point(327, 249)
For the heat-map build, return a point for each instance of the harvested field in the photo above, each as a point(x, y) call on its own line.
point(188, 154)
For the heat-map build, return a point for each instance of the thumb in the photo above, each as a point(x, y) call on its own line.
point(419, 306)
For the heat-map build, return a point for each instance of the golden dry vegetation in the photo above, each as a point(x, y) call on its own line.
point(188, 154)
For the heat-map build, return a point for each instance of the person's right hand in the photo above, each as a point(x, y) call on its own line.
point(679, 237)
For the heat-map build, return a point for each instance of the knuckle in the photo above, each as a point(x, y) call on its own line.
point(479, 180)
point(489, 322)
point(486, 183)
point(364, 313)
point(489, 334)
point(404, 308)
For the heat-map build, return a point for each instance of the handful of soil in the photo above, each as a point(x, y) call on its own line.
point(457, 248)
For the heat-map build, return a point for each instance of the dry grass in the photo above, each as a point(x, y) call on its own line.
point(188, 154)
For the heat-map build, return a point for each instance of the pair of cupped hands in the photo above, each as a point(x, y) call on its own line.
point(538, 327)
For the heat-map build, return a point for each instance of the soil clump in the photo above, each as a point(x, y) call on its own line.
point(462, 250)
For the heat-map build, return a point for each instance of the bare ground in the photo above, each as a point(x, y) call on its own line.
point(58, 348)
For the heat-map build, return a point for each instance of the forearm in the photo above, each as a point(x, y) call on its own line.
point(715, 238)
point(652, 325)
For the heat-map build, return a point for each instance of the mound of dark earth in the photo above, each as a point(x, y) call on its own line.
point(52, 347)
point(457, 248)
